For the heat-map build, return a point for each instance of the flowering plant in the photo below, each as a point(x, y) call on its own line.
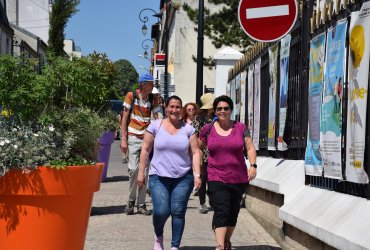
point(24, 147)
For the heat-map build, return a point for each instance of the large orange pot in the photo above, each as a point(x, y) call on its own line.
point(47, 208)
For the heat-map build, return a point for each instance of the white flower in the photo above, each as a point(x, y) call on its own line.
point(15, 146)
point(51, 128)
point(7, 141)
point(36, 135)
point(2, 143)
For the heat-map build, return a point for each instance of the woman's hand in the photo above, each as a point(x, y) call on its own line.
point(197, 183)
point(252, 172)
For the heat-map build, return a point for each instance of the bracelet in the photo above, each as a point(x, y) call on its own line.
point(197, 175)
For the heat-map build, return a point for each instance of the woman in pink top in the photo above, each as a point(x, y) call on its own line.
point(227, 172)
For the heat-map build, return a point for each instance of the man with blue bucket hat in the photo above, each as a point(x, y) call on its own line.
point(137, 108)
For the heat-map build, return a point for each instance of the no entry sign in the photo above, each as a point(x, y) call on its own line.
point(267, 20)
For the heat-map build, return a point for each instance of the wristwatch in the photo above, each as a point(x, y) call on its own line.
point(254, 165)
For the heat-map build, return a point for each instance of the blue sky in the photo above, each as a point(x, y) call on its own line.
point(113, 27)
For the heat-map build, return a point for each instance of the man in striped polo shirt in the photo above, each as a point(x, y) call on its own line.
point(135, 119)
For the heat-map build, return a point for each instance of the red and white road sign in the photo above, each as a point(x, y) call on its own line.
point(267, 20)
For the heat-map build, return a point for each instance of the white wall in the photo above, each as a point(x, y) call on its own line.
point(33, 16)
point(182, 45)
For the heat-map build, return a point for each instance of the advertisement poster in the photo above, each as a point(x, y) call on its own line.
point(313, 161)
point(331, 109)
point(283, 97)
point(358, 72)
point(257, 100)
point(250, 98)
point(243, 77)
point(273, 57)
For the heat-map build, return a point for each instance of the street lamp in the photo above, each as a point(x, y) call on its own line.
point(144, 19)
point(146, 47)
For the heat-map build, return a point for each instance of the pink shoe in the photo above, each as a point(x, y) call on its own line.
point(158, 243)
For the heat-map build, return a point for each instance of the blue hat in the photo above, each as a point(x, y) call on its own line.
point(145, 77)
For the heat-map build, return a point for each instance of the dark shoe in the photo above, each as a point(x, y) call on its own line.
point(227, 245)
point(196, 193)
point(142, 210)
point(129, 210)
point(203, 209)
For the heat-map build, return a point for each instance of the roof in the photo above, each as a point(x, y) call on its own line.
point(228, 53)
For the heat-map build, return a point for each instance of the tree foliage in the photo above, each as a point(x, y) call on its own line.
point(222, 27)
point(126, 77)
point(61, 11)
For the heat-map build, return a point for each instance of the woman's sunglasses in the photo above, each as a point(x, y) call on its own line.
point(222, 108)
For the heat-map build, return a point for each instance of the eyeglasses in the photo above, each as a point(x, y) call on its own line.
point(218, 109)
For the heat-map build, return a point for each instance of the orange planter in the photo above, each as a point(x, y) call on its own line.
point(47, 208)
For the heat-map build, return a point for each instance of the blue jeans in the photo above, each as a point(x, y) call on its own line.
point(170, 196)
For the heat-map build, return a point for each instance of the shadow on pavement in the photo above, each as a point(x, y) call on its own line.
point(107, 210)
point(259, 247)
point(116, 178)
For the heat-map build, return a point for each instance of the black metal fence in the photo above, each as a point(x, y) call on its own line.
point(297, 110)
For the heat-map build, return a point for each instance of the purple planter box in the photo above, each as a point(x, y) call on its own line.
point(105, 143)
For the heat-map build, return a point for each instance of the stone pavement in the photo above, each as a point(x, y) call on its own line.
point(111, 229)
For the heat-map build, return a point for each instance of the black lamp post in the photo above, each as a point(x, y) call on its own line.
point(199, 82)
point(145, 19)
point(146, 47)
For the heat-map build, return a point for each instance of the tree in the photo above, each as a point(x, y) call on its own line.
point(222, 26)
point(127, 77)
point(61, 11)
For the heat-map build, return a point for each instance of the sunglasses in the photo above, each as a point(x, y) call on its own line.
point(190, 109)
point(218, 109)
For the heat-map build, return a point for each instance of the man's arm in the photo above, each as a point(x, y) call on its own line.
point(124, 121)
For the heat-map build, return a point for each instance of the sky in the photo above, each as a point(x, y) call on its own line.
point(113, 27)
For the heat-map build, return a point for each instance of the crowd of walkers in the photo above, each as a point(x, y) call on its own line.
point(175, 149)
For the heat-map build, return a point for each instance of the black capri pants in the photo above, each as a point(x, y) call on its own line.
point(226, 203)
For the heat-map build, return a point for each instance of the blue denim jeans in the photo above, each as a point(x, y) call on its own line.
point(170, 196)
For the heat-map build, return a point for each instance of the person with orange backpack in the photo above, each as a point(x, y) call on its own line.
point(136, 117)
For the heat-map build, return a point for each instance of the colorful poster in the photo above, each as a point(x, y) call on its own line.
point(273, 56)
point(358, 72)
point(256, 105)
point(331, 109)
point(243, 77)
point(283, 97)
point(250, 98)
point(313, 161)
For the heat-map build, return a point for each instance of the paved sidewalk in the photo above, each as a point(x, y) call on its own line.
point(110, 229)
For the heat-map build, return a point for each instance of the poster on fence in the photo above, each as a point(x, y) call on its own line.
point(283, 97)
point(273, 56)
point(232, 96)
point(313, 161)
point(331, 109)
point(250, 98)
point(358, 72)
point(243, 77)
point(256, 105)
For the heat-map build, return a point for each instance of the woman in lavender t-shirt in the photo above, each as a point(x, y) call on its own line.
point(227, 171)
point(171, 178)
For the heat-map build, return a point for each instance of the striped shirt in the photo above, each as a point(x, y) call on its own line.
point(140, 115)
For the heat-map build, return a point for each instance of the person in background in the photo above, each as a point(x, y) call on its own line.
point(136, 118)
point(228, 174)
point(171, 176)
point(160, 113)
point(205, 116)
point(189, 112)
